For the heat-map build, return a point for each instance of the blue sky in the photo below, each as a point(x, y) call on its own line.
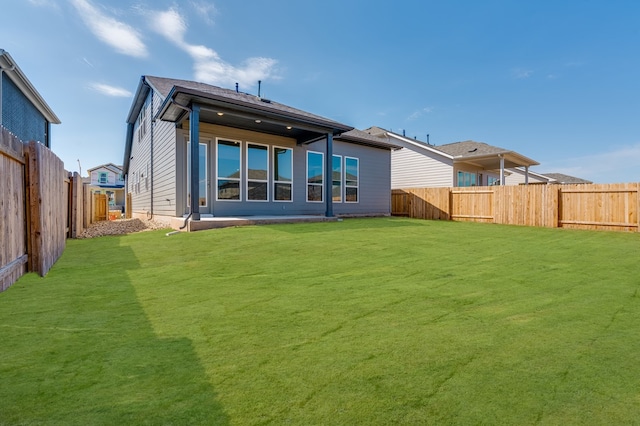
point(554, 80)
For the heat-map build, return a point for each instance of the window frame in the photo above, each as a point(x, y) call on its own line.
point(473, 179)
point(238, 179)
point(248, 180)
point(357, 185)
point(321, 185)
point(277, 181)
point(102, 175)
point(200, 169)
point(341, 179)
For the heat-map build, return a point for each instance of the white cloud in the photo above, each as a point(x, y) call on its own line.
point(122, 37)
point(419, 113)
point(521, 73)
point(208, 66)
point(113, 91)
point(205, 10)
point(619, 165)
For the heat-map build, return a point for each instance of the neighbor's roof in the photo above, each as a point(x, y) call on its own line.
point(364, 138)
point(389, 135)
point(562, 178)
point(110, 166)
point(479, 152)
point(16, 75)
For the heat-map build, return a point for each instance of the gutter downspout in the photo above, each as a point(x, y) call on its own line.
point(328, 167)
point(153, 123)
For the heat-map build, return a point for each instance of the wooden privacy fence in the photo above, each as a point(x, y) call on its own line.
point(602, 207)
point(39, 208)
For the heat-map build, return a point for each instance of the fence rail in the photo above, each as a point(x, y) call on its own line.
point(602, 207)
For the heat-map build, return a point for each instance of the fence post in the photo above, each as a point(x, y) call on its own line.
point(34, 224)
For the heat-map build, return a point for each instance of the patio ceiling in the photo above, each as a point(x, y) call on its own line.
point(492, 161)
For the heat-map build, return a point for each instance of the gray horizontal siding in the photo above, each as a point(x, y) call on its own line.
point(374, 179)
point(414, 167)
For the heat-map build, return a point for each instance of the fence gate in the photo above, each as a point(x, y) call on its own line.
point(100, 207)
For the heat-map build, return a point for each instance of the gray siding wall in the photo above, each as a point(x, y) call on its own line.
point(139, 174)
point(374, 190)
point(415, 167)
point(152, 170)
point(516, 177)
point(20, 116)
point(164, 165)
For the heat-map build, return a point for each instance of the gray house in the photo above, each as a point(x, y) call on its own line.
point(254, 157)
point(22, 110)
point(467, 163)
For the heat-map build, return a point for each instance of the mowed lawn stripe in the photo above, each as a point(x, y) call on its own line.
point(364, 321)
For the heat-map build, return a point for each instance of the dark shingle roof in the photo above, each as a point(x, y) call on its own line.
point(365, 138)
point(470, 149)
point(165, 86)
point(562, 178)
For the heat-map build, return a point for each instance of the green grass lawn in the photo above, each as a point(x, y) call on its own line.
point(365, 321)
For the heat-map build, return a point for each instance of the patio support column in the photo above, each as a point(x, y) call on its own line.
point(526, 175)
point(328, 172)
point(194, 138)
point(501, 169)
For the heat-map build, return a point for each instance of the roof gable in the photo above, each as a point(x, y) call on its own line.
point(109, 166)
point(16, 75)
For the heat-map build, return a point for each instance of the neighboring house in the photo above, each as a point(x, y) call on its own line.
point(518, 176)
point(108, 179)
point(565, 179)
point(22, 110)
point(467, 163)
point(253, 157)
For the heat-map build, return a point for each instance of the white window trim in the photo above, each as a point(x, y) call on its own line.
point(240, 198)
point(324, 180)
point(275, 181)
point(257, 180)
point(357, 187)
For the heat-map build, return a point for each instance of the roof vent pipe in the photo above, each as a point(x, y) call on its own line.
point(403, 133)
point(259, 84)
point(428, 139)
point(237, 88)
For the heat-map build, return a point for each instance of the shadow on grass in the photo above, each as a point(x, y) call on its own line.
point(79, 349)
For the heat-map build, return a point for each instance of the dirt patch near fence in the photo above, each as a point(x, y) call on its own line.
point(120, 227)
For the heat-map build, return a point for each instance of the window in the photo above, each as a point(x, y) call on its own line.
point(466, 179)
point(103, 178)
point(203, 196)
point(491, 180)
point(257, 172)
point(336, 177)
point(351, 179)
point(282, 173)
point(315, 176)
point(228, 168)
point(142, 122)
